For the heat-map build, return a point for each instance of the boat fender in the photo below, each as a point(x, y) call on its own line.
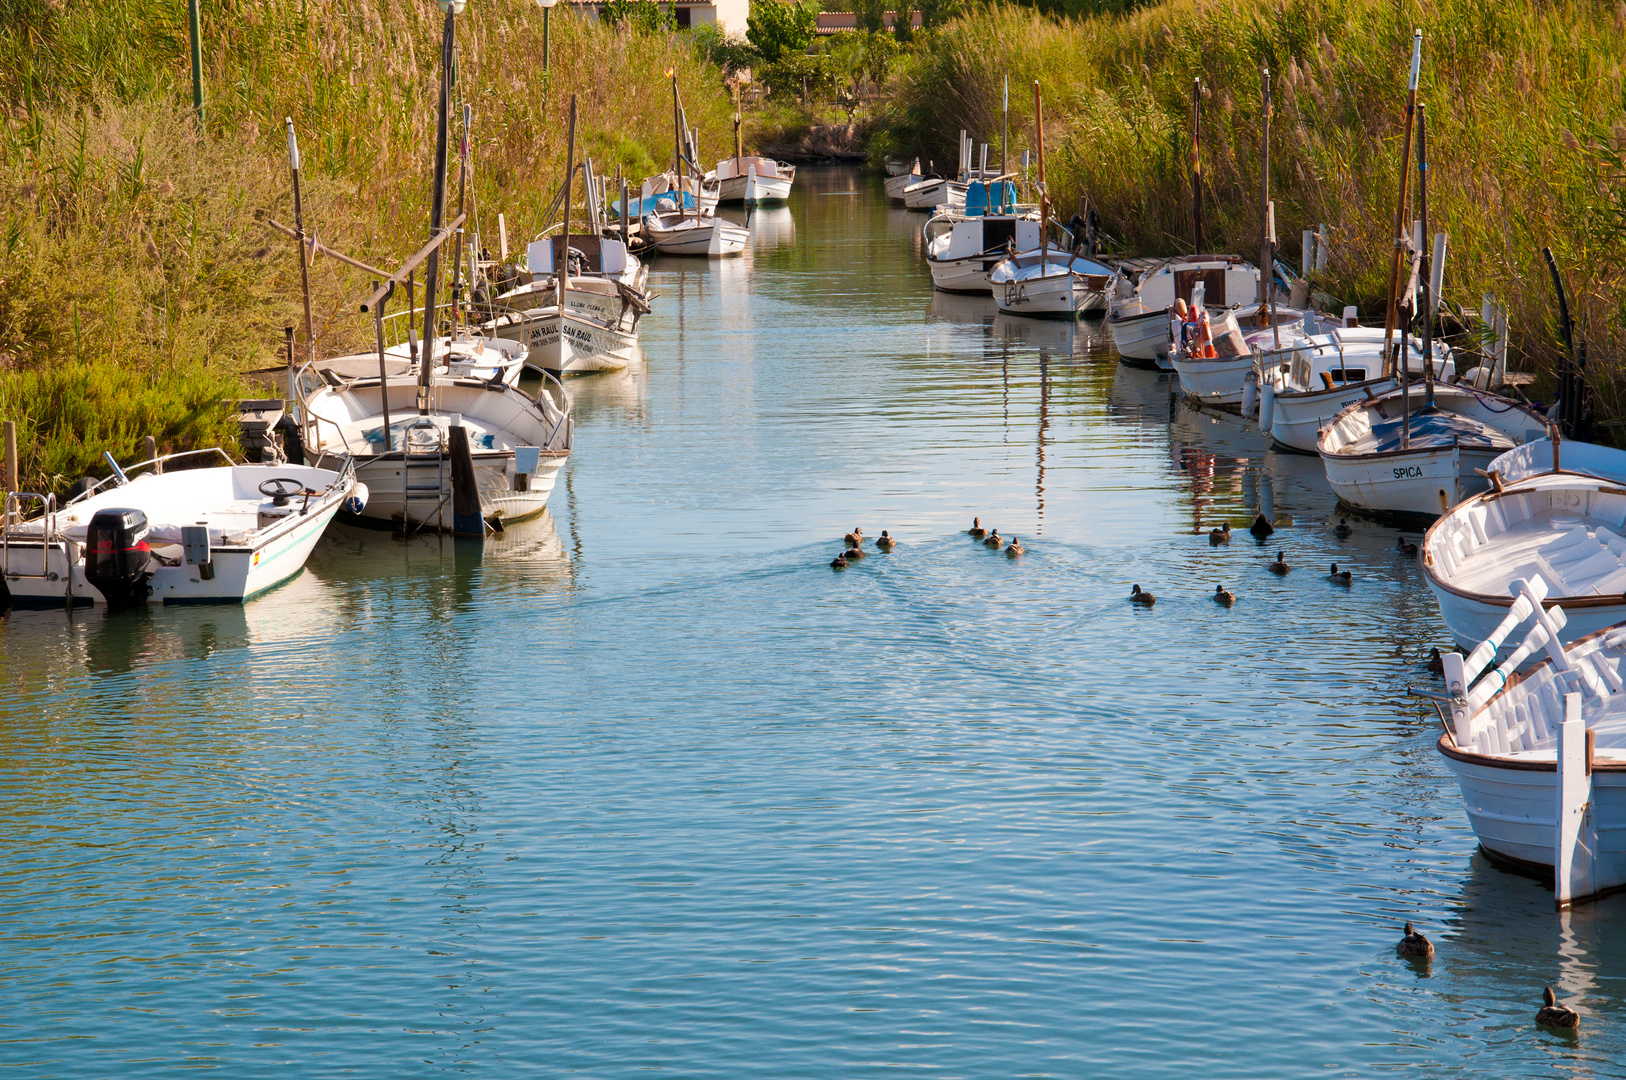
point(356, 501)
point(1267, 405)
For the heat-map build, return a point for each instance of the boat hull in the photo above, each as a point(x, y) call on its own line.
point(574, 344)
point(750, 190)
point(716, 238)
point(1213, 382)
point(1471, 619)
point(1060, 296)
point(1142, 340)
point(968, 275)
point(388, 502)
point(1513, 807)
point(1416, 483)
point(1297, 419)
point(930, 194)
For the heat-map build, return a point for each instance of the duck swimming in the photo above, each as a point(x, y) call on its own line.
point(1221, 535)
point(854, 539)
point(1342, 529)
point(1554, 1015)
point(1406, 548)
point(1436, 662)
point(838, 563)
point(1414, 946)
point(993, 540)
point(976, 532)
point(885, 541)
point(1280, 567)
point(1144, 599)
point(853, 554)
point(1340, 577)
point(1260, 527)
point(1016, 550)
point(1224, 597)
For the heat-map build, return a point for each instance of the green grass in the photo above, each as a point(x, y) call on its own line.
point(136, 282)
point(1526, 133)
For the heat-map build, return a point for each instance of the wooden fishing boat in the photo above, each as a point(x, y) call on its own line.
point(213, 535)
point(1554, 521)
point(1308, 383)
point(1540, 754)
point(1050, 283)
point(895, 183)
point(1393, 454)
point(700, 233)
point(1141, 302)
point(605, 298)
point(933, 192)
point(752, 180)
point(962, 248)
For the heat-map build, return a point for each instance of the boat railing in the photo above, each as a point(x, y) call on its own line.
point(152, 464)
point(48, 530)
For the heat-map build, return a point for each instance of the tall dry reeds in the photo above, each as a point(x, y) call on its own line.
point(1526, 131)
point(136, 282)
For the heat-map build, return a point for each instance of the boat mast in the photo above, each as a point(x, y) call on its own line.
point(677, 145)
point(1266, 255)
point(300, 240)
point(1044, 192)
point(562, 271)
point(462, 198)
point(436, 214)
point(1196, 168)
point(1425, 279)
point(1390, 311)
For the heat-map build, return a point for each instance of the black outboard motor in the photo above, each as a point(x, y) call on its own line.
point(117, 559)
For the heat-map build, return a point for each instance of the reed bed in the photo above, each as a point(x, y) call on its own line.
point(136, 281)
point(1526, 134)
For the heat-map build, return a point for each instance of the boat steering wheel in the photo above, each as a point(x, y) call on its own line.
point(279, 491)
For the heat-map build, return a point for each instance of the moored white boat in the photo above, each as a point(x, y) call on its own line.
point(1540, 754)
point(1376, 462)
point(895, 183)
point(1049, 283)
point(219, 534)
point(1140, 310)
point(605, 298)
point(699, 233)
point(933, 192)
point(752, 180)
point(516, 447)
point(962, 253)
point(1553, 522)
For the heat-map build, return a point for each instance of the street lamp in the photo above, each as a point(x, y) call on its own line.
point(547, 9)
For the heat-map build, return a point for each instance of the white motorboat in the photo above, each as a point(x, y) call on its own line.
point(221, 534)
point(962, 250)
point(1540, 755)
point(895, 183)
point(605, 297)
point(700, 233)
point(752, 180)
point(1140, 302)
point(1390, 454)
point(1213, 357)
point(1052, 283)
point(933, 192)
point(1305, 385)
point(1541, 518)
point(413, 459)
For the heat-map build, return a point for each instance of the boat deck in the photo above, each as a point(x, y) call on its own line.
point(1429, 430)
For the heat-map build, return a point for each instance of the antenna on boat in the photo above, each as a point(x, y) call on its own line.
point(1390, 312)
point(300, 239)
point(438, 208)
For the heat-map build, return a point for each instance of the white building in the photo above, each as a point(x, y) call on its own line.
point(690, 13)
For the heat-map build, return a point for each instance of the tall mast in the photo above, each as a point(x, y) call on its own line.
point(1390, 313)
point(299, 227)
point(1267, 257)
point(562, 271)
point(1196, 168)
point(1044, 192)
point(437, 213)
point(677, 143)
point(1425, 276)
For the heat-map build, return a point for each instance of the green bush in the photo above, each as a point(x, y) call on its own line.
point(775, 28)
point(816, 73)
point(641, 15)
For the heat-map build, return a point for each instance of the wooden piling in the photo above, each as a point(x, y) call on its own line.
point(466, 519)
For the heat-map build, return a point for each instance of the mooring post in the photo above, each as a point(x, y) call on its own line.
point(1572, 864)
point(466, 519)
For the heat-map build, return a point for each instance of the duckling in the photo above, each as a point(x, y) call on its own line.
point(853, 554)
point(1261, 528)
point(1554, 1015)
point(1221, 535)
point(1144, 599)
point(858, 531)
point(993, 540)
point(1016, 550)
point(1340, 577)
point(1414, 946)
point(1406, 548)
point(838, 563)
point(1342, 530)
point(976, 532)
point(886, 542)
point(1280, 567)
point(854, 539)
point(1436, 662)
point(1224, 597)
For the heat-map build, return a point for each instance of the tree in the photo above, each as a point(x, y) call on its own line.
point(871, 15)
point(776, 29)
point(934, 13)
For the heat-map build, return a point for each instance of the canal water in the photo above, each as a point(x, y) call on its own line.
point(647, 788)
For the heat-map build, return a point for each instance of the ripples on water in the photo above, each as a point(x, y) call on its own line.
point(645, 786)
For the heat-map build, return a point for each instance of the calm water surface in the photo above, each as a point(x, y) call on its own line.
point(646, 787)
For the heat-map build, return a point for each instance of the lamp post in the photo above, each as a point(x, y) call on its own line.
point(547, 9)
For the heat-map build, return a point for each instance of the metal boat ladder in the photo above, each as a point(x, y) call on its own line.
point(424, 478)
